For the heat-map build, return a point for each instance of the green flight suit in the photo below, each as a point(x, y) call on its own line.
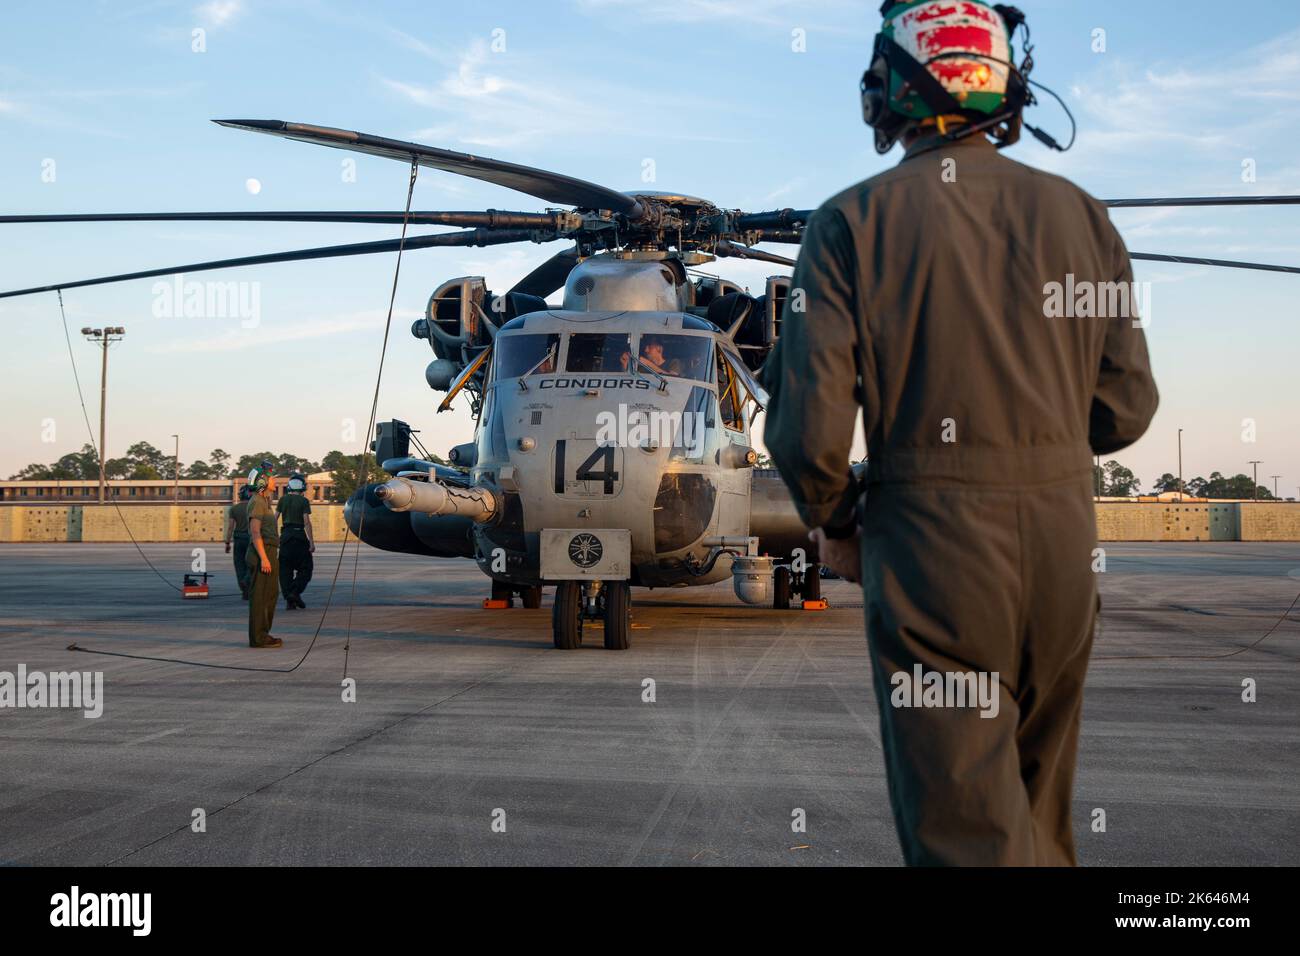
point(239, 544)
point(261, 602)
point(924, 297)
point(296, 563)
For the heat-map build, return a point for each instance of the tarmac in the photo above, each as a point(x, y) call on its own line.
point(471, 740)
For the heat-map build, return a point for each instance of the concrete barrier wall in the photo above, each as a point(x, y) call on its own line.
point(1116, 521)
point(107, 523)
point(37, 524)
point(1267, 521)
point(1198, 521)
point(1121, 521)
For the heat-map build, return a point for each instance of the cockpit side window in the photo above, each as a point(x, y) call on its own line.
point(598, 352)
point(681, 356)
point(731, 396)
point(531, 354)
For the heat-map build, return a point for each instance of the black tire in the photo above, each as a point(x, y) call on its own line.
point(812, 583)
point(532, 597)
point(503, 592)
point(781, 588)
point(566, 616)
point(618, 615)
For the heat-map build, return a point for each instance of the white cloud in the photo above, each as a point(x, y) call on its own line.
point(483, 107)
point(1177, 107)
point(218, 13)
point(501, 101)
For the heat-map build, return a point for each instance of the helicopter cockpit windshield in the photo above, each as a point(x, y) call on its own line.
point(680, 356)
point(598, 352)
point(527, 354)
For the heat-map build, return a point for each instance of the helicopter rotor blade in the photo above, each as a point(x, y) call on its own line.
point(550, 275)
point(792, 236)
point(1224, 263)
point(734, 250)
point(490, 218)
point(1205, 201)
point(770, 235)
point(469, 237)
point(552, 187)
point(788, 218)
point(783, 219)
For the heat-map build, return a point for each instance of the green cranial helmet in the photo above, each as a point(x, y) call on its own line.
point(260, 477)
point(936, 59)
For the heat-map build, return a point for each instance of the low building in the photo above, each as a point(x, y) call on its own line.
point(125, 491)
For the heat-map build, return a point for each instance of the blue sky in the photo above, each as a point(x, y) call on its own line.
point(710, 90)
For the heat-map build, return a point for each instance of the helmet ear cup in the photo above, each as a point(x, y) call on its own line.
point(876, 113)
point(873, 95)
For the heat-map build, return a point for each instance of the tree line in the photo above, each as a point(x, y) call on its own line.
point(144, 462)
point(1116, 481)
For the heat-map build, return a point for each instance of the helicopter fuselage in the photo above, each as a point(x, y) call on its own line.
point(601, 437)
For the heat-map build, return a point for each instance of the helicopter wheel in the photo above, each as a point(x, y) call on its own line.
point(811, 589)
point(618, 615)
point(503, 592)
point(532, 597)
point(781, 588)
point(566, 615)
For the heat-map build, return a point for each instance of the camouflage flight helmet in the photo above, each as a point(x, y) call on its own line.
point(260, 476)
point(935, 59)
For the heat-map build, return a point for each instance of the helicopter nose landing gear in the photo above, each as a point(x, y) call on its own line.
point(618, 615)
point(577, 601)
point(807, 584)
point(810, 585)
point(567, 614)
point(781, 588)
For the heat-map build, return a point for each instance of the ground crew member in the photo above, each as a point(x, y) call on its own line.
point(237, 531)
point(296, 542)
point(920, 295)
point(263, 558)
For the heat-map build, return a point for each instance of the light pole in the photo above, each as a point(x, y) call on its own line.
point(1255, 481)
point(176, 470)
point(1275, 478)
point(103, 338)
point(1180, 464)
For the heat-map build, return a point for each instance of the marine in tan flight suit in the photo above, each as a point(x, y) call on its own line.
point(263, 559)
point(974, 535)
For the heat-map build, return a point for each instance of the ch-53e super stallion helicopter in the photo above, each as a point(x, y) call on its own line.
point(612, 442)
point(612, 445)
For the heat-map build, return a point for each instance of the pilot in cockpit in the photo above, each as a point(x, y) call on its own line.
point(653, 358)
